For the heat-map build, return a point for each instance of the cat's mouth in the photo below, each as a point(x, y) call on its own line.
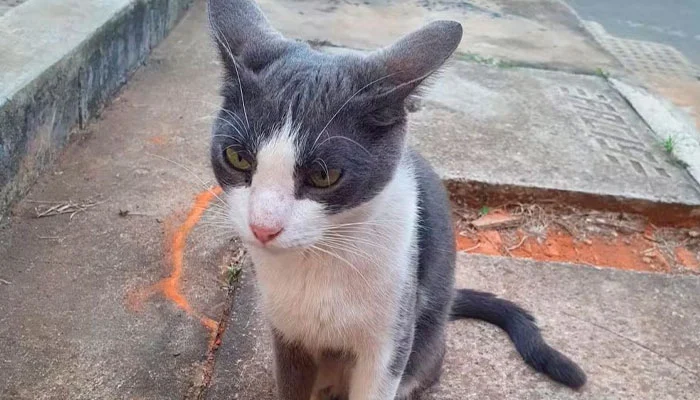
point(283, 245)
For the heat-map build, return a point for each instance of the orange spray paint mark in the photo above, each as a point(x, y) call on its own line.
point(170, 286)
point(158, 140)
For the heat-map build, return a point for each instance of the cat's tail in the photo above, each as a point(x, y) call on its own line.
point(520, 326)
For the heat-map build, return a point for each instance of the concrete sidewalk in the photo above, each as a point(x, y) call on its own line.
point(92, 304)
point(120, 294)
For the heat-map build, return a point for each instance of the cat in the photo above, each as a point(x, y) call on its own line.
point(348, 228)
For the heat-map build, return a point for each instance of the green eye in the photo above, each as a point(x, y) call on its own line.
point(324, 179)
point(234, 158)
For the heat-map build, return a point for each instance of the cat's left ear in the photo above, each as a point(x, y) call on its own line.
point(243, 35)
point(416, 56)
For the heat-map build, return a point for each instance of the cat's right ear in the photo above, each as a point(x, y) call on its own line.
point(243, 35)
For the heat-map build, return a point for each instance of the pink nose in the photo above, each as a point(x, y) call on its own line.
point(265, 234)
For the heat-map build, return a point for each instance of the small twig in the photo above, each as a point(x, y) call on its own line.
point(651, 239)
point(620, 227)
point(5, 282)
point(47, 201)
point(48, 237)
point(566, 227)
point(517, 245)
point(64, 208)
point(472, 248)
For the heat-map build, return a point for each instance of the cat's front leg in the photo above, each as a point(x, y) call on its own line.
point(376, 376)
point(295, 370)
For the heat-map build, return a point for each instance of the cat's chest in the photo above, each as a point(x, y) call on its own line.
point(334, 302)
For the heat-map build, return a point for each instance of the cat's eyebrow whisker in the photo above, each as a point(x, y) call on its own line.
point(322, 164)
point(313, 146)
point(238, 141)
point(349, 140)
point(224, 109)
point(227, 122)
point(218, 34)
point(204, 184)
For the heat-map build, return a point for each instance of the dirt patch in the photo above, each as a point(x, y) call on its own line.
point(566, 234)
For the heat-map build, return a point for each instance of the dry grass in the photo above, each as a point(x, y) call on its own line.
point(49, 209)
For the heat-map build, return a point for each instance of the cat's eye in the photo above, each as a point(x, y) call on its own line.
point(324, 179)
point(237, 161)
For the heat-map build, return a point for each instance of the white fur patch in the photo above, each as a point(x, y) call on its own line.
point(269, 201)
point(343, 293)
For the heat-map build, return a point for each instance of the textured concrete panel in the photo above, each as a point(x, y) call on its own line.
point(544, 129)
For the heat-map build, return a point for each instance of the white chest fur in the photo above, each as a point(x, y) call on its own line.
point(346, 292)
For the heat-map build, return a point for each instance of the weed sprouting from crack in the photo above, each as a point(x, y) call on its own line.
point(601, 73)
point(669, 144)
point(233, 272)
point(484, 210)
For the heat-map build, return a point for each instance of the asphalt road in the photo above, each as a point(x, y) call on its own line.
point(673, 22)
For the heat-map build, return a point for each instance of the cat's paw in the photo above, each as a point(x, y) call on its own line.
point(327, 394)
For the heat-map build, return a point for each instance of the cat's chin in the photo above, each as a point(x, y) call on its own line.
point(275, 248)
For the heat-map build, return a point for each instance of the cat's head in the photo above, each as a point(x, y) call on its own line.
point(306, 140)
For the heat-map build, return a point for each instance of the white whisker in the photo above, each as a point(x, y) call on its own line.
point(218, 34)
point(348, 139)
point(313, 146)
point(205, 184)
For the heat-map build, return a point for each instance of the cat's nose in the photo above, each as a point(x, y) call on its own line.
point(264, 233)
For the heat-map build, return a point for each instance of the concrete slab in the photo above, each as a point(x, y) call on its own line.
point(533, 32)
point(545, 129)
point(92, 305)
point(61, 61)
point(633, 333)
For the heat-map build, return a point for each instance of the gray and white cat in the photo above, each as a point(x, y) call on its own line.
point(349, 229)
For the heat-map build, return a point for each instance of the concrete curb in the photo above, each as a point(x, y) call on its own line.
point(62, 61)
point(667, 122)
